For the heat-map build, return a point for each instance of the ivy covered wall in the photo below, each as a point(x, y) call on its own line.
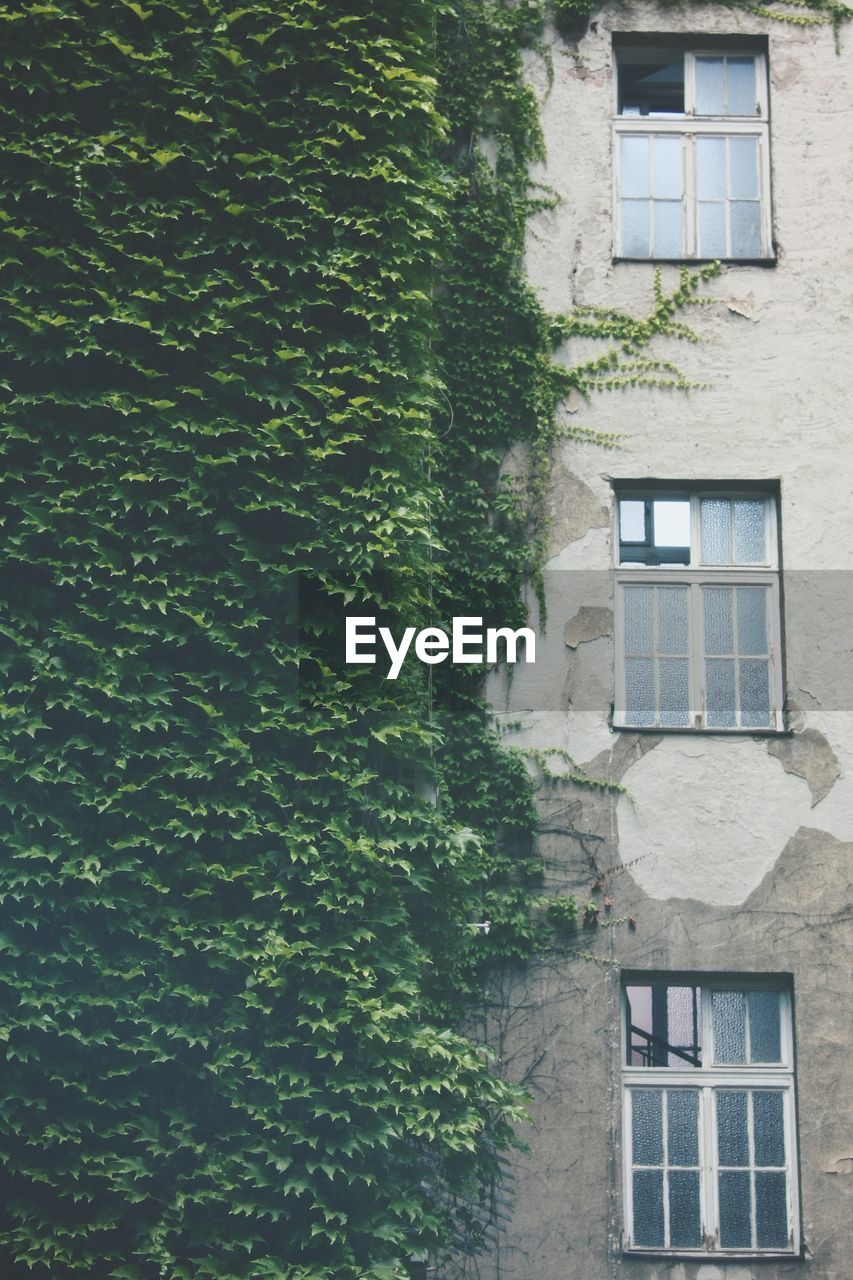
point(235, 941)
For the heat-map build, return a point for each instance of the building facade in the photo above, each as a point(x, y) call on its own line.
point(692, 1082)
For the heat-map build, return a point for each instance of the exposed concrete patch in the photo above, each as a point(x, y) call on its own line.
point(575, 508)
point(615, 762)
point(812, 879)
point(809, 756)
point(589, 623)
point(843, 1165)
point(707, 818)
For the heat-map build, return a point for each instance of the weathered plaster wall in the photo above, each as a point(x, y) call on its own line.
point(732, 854)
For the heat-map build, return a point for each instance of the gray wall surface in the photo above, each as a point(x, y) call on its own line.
point(733, 854)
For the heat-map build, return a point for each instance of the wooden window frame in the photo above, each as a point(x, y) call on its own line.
point(709, 1080)
point(689, 127)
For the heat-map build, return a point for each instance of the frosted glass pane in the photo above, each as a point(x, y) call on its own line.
point(732, 1130)
point(717, 610)
point(672, 522)
point(647, 1126)
point(746, 229)
point(751, 620)
point(743, 99)
point(710, 87)
point(668, 237)
point(674, 692)
point(682, 1118)
point(768, 1128)
point(639, 603)
point(635, 229)
point(735, 1224)
point(711, 168)
point(672, 619)
point(765, 1035)
point(754, 693)
point(716, 527)
point(682, 1015)
point(749, 530)
point(743, 154)
point(684, 1217)
point(667, 169)
point(729, 1008)
point(634, 167)
point(632, 520)
point(712, 231)
point(648, 1207)
point(640, 691)
point(720, 683)
point(771, 1211)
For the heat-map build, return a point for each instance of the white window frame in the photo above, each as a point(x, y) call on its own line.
point(689, 127)
point(695, 577)
point(710, 1079)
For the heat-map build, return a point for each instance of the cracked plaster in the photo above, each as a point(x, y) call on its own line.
point(710, 816)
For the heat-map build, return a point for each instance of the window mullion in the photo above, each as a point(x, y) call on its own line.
point(691, 213)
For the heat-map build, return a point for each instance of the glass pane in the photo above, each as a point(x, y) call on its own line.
point(682, 1015)
point(684, 1218)
point(732, 1131)
point(634, 167)
point(716, 525)
point(667, 1019)
point(712, 231)
point(746, 228)
point(650, 83)
point(709, 87)
point(717, 610)
point(674, 692)
point(640, 691)
point(672, 619)
point(771, 1211)
point(646, 1126)
point(639, 602)
point(672, 522)
point(720, 693)
point(765, 1034)
point(683, 1121)
point(667, 169)
point(749, 530)
point(648, 1207)
point(668, 238)
point(751, 620)
point(755, 693)
point(768, 1128)
point(632, 520)
point(743, 153)
point(729, 1010)
point(711, 168)
point(735, 1225)
point(743, 99)
point(635, 229)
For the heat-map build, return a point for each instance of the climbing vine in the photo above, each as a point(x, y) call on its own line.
point(266, 342)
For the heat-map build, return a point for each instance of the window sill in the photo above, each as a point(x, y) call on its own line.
point(703, 732)
point(697, 262)
point(705, 1255)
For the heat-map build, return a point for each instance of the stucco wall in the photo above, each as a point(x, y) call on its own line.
point(732, 854)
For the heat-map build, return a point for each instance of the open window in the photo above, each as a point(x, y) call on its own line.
point(691, 150)
point(698, 614)
point(709, 1116)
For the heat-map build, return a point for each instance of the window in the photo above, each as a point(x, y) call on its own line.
point(692, 153)
point(698, 632)
point(709, 1120)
